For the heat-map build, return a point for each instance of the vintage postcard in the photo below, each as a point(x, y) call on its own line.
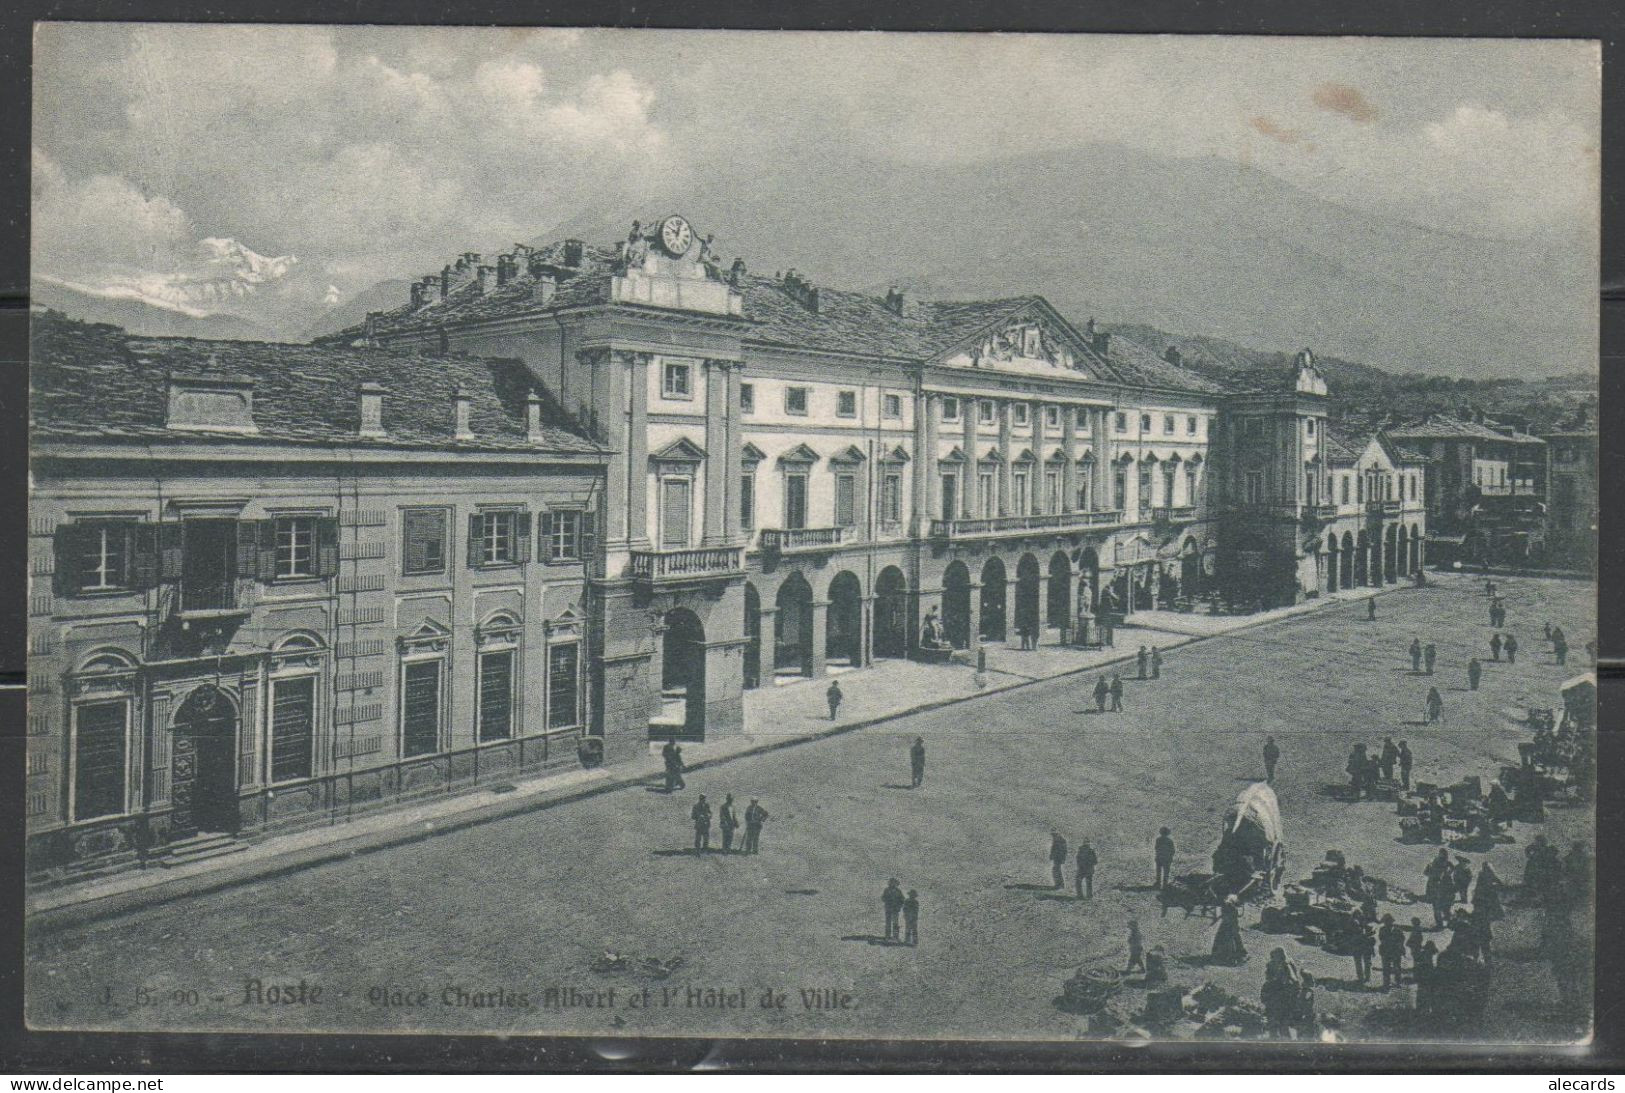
point(845, 536)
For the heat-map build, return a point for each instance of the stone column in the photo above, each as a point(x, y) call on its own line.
point(820, 635)
point(973, 629)
point(918, 519)
point(1035, 488)
point(1005, 456)
point(1101, 428)
point(866, 639)
point(616, 419)
point(767, 657)
point(925, 465)
point(716, 447)
point(735, 456)
point(1069, 449)
point(636, 468)
point(967, 487)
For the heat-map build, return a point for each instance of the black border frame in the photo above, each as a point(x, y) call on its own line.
point(23, 1051)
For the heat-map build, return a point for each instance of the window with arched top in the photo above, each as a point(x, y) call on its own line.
point(496, 676)
point(101, 721)
point(296, 661)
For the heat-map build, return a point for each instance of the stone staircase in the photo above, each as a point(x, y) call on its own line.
point(202, 847)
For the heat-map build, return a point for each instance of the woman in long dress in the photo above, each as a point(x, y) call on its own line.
point(1227, 945)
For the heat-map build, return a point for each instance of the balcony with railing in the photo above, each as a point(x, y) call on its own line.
point(670, 566)
point(1379, 509)
point(801, 540)
point(986, 527)
point(209, 598)
point(1174, 514)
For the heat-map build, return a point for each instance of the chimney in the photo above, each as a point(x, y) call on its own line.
point(506, 266)
point(371, 327)
point(445, 281)
point(1102, 340)
point(417, 295)
point(1171, 355)
point(572, 252)
point(894, 300)
point(371, 396)
point(469, 260)
point(543, 288)
point(533, 418)
point(483, 278)
point(736, 272)
point(460, 403)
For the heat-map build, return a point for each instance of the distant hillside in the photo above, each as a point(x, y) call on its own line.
point(143, 318)
point(380, 297)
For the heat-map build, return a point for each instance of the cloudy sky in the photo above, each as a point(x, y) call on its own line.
point(165, 155)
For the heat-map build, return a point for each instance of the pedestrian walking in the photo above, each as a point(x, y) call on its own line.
point(1356, 769)
point(1387, 759)
point(1272, 755)
point(1489, 588)
point(673, 757)
point(1117, 693)
point(1416, 654)
point(891, 901)
point(1102, 693)
point(1440, 888)
point(1414, 941)
point(755, 817)
point(1495, 646)
point(1560, 648)
point(916, 762)
point(1364, 948)
point(1404, 765)
point(701, 815)
point(1163, 853)
point(1461, 876)
point(1435, 705)
point(1370, 608)
point(1057, 858)
point(1511, 646)
point(1429, 655)
point(1475, 672)
point(1136, 947)
point(911, 919)
point(834, 696)
point(1156, 663)
point(1548, 631)
point(1142, 660)
point(1391, 947)
point(1228, 948)
point(729, 822)
point(1085, 880)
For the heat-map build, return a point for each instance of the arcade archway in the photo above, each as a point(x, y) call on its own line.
point(843, 630)
point(1028, 579)
point(793, 627)
point(1058, 595)
point(891, 613)
point(203, 778)
point(682, 666)
point(993, 597)
point(753, 637)
point(956, 605)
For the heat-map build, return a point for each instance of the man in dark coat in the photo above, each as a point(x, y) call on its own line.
point(891, 901)
point(1370, 608)
point(1356, 770)
point(701, 815)
point(911, 918)
point(1390, 756)
point(1414, 942)
point(1272, 755)
point(1117, 693)
point(673, 757)
point(1163, 852)
point(729, 822)
point(1364, 948)
point(1495, 646)
point(1560, 648)
point(1430, 654)
point(1057, 858)
point(1142, 661)
point(1416, 654)
point(1435, 705)
point(1085, 880)
point(1156, 663)
point(1391, 947)
point(834, 696)
point(1404, 765)
point(755, 816)
point(1440, 891)
point(1511, 646)
point(1475, 672)
point(1103, 691)
point(916, 762)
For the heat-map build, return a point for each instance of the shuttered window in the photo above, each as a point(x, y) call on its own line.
point(105, 557)
point(293, 728)
point(747, 502)
point(99, 748)
point(496, 695)
point(423, 541)
point(795, 500)
point(563, 668)
point(845, 496)
point(674, 513)
point(420, 708)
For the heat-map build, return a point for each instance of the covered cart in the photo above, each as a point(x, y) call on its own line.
point(1248, 861)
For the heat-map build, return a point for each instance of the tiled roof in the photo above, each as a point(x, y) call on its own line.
point(1136, 363)
point(1343, 444)
point(845, 322)
point(96, 382)
point(1448, 427)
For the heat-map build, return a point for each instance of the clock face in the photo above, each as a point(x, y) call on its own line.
point(676, 236)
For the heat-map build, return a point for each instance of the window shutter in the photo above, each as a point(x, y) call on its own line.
point(171, 536)
point(327, 546)
point(143, 556)
point(266, 565)
point(476, 545)
point(248, 548)
point(544, 537)
point(588, 540)
point(71, 545)
point(521, 532)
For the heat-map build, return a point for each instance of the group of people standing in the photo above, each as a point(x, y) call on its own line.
point(1365, 768)
point(1087, 860)
point(728, 822)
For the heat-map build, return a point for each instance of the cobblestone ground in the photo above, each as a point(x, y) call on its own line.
point(470, 931)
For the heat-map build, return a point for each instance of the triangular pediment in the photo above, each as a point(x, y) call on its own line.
point(1029, 337)
point(750, 453)
point(1026, 456)
point(800, 454)
point(681, 450)
point(429, 628)
point(850, 454)
point(956, 455)
point(896, 455)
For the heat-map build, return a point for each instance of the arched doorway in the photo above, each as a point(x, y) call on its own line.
point(1416, 549)
point(843, 630)
point(1403, 543)
point(1348, 560)
point(1190, 570)
point(1376, 560)
point(1089, 578)
point(956, 605)
point(1362, 560)
point(1058, 605)
point(682, 667)
point(891, 613)
point(793, 627)
point(753, 637)
point(1333, 572)
point(1028, 578)
point(1390, 554)
point(993, 596)
point(203, 771)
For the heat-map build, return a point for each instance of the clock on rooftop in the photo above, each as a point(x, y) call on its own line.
point(676, 236)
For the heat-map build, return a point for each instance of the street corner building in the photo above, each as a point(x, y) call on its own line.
point(556, 506)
